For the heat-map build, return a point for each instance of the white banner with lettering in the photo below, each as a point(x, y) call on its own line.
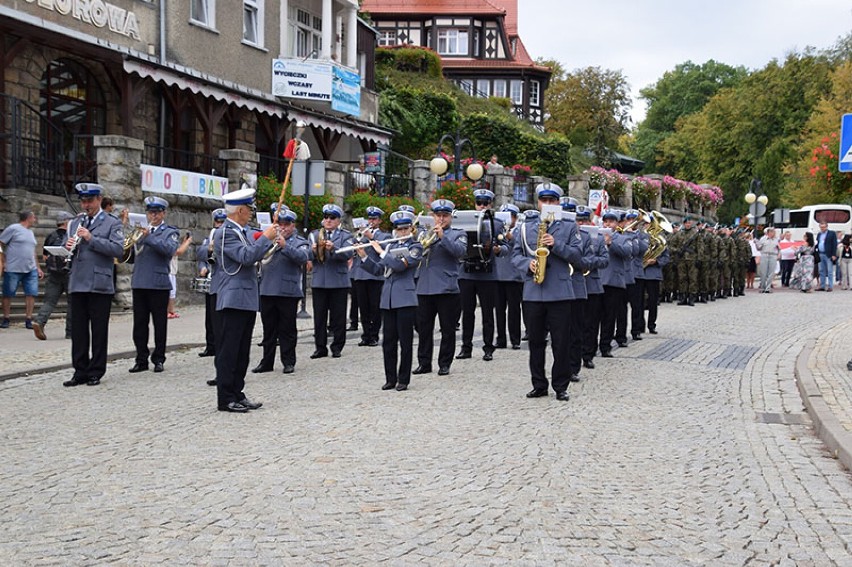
point(292, 78)
point(178, 182)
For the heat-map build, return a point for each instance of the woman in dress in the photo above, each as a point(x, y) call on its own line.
point(803, 271)
point(844, 256)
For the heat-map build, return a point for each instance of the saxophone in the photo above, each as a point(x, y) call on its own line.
point(541, 252)
point(321, 238)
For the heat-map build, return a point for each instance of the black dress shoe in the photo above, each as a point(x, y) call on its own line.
point(336, 354)
point(75, 382)
point(588, 363)
point(652, 331)
point(138, 367)
point(562, 396)
point(362, 342)
point(234, 407)
point(373, 343)
point(401, 387)
point(288, 369)
point(526, 337)
point(422, 370)
point(250, 404)
point(516, 347)
point(158, 367)
point(443, 371)
point(500, 345)
point(637, 338)
point(260, 369)
point(464, 353)
point(487, 356)
point(93, 382)
point(319, 353)
point(352, 327)
point(574, 378)
point(388, 386)
point(537, 394)
point(606, 354)
point(211, 382)
point(207, 352)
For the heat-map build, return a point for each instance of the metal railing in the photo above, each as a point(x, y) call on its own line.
point(184, 160)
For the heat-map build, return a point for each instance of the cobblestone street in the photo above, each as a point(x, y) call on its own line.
point(691, 447)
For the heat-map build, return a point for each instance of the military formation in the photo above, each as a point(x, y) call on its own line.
point(577, 285)
point(708, 262)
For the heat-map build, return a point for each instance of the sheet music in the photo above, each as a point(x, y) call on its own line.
point(137, 219)
point(58, 251)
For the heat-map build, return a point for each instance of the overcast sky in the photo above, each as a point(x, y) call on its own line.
point(644, 39)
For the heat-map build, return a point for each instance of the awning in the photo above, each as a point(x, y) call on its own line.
point(347, 126)
point(237, 95)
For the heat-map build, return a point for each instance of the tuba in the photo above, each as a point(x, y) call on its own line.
point(321, 251)
point(657, 242)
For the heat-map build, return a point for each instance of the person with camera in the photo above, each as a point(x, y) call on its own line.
point(56, 282)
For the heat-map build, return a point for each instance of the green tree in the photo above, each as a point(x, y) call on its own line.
point(591, 107)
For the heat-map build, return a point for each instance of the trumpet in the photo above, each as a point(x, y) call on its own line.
point(370, 243)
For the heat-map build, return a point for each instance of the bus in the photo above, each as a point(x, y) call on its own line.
point(807, 219)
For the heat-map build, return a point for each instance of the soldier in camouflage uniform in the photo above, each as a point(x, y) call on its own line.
point(729, 281)
point(724, 281)
point(743, 258)
point(687, 248)
point(708, 263)
point(670, 270)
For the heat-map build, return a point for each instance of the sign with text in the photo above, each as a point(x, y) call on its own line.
point(178, 182)
point(293, 78)
point(373, 162)
point(346, 91)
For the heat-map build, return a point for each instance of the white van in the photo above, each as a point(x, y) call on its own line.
point(807, 219)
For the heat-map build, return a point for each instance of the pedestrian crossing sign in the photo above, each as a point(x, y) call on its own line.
point(845, 164)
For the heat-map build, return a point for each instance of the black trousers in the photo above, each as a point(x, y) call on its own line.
point(447, 307)
point(509, 299)
point(636, 297)
point(56, 283)
point(353, 305)
point(233, 345)
point(369, 295)
point(153, 305)
point(399, 330)
point(621, 316)
point(486, 291)
point(652, 288)
point(786, 272)
point(330, 312)
point(89, 327)
point(278, 315)
point(591, 324)
point(575, 331)
point(541, 317)
point(614, 299)
point(209, 314)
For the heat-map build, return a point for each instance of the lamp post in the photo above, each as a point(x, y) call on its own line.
point(757, 203)
point(439, 165)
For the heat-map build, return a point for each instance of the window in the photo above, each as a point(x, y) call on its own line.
point(500, 89)
point(387, 37)
point(476, 42)
point(534, 89)
point(308, 33)
point(203, 12)
point(517, 93)
point(483, 88)
point(452, 42)
point(253, 22)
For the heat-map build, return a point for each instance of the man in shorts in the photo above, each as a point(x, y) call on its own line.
point(20, 266)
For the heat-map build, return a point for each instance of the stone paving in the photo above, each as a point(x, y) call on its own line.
point(690, 447)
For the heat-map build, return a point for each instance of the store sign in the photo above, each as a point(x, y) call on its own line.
point(96, 13)
point(178, 182)
point(292, 78)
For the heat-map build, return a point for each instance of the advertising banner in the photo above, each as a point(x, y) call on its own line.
point(178, 182)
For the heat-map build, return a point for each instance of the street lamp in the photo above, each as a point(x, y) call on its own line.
point(439, 165)
point(757, 204)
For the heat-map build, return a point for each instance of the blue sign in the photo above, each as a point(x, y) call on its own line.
point(346, 91)
point(845, 164)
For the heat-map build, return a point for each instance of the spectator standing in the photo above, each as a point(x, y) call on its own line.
point(803, 272)
point(361, 179)
point(173, 270)
point(21, 266)
point(754, 262)
point(826, 244)
point(788, 258)
point(844, 253)
point(57, 278)
point(769, 247)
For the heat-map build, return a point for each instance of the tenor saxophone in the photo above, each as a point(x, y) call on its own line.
point(541, 253)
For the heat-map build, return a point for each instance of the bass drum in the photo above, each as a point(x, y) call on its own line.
point(479, 226)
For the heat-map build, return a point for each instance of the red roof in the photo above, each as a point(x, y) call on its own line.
point(433, 7)
point(459, 63)
point(511, 8)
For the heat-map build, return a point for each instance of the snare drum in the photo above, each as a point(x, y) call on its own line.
point(479, 226)
point(200, 285)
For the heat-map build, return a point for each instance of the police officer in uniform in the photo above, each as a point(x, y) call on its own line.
point(636, 293)
point(97, 239)
point(206, 267)
point(613, 279)
point(594, 288)
point(397, 263)
point(438, 288)
point(477, 279)
point(280, 293)
point(330, 282)
point(578, 283)
point(510, 286)
point(237, 302)
point(368, 286)
point(547, 306)
point(651, 280)
point(151, 285)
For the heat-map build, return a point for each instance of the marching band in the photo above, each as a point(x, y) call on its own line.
point(569, 280)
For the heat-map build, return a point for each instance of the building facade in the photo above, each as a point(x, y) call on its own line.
point(478, 43)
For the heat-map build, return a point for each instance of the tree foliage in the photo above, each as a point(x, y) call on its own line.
point(591, 107)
